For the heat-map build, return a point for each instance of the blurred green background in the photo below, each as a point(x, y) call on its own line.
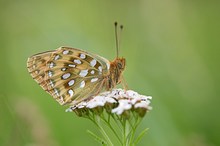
point(172, 51)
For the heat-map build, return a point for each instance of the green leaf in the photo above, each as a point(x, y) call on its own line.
point(140, 136)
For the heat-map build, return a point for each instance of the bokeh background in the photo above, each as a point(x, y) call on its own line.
point(172, 51)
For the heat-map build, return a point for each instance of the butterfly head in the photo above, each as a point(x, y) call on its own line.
point(116, 69)
point(120, 64)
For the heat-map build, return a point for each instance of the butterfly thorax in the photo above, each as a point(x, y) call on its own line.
point(117, 67)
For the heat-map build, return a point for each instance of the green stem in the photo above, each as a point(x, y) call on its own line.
point(134, 128)
point(110, 126)
point(119, 124)
point(124, 132)
point(103, 131)
point(95, 121)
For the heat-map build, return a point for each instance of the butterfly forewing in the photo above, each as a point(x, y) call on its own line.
point(70, 75)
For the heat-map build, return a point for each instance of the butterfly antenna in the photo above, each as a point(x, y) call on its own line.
point(119, 40)
point(118, 37)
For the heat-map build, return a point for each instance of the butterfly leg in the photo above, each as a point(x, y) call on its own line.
point(124, 83)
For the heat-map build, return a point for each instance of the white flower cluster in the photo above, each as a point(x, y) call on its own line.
point(119, 99)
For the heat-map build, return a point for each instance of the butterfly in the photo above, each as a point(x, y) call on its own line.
point(73, 75)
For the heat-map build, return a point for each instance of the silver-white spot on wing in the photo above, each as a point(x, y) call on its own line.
point(100, 68)
point(71, 65)
point(92, 72)
point(77, 61)
point(82, 56)
point(37, 71)
point(56, 92)
point(66, 75)
point(70, 91)
point(94, 80)
point(83, 73)
point(93, 62)
point(71, 82)
point(65, 52)
point(51, 83)
point(51, 65)
point(57, 57)
point(63, 69)
point(82, 84)
point(50, 73)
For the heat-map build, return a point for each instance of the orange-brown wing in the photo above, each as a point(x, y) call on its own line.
point(36, 65)
point(70, 75)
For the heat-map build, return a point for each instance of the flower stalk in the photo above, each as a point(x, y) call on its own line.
point(116, 114)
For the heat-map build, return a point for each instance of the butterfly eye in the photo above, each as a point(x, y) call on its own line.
point(120, 66)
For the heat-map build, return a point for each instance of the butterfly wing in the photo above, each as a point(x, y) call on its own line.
point(36, 65)
point(70, 75)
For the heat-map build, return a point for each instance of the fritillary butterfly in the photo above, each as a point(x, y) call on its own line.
point(72, 75)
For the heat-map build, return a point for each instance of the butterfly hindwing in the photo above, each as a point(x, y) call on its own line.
point(36, 65)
